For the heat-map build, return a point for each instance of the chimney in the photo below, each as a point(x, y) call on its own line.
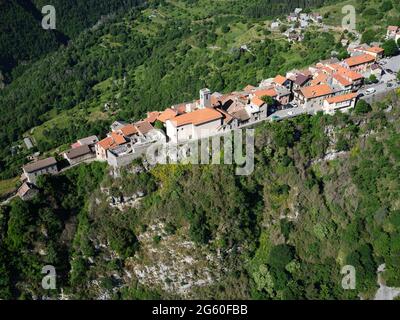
point(189, 107)
point(205, 98)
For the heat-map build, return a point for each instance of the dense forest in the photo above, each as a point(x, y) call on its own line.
point(22, 38)
point(273, 8)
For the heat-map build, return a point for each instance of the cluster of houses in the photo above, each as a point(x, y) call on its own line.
point(328, 86)
point(298, 21)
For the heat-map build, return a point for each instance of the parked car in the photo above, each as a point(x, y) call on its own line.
point(290, 113)
point(389, 71)
point(370, 91)
point(389, 85)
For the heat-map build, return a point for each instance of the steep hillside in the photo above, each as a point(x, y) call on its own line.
point(181, 46)
point(22, 38)
point(324, 194)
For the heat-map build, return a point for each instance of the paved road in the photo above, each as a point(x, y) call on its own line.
point(393, 63)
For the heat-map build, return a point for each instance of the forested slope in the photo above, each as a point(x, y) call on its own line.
point(190, 231)
point(22, 37)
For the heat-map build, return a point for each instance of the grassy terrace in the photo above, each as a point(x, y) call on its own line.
point(8, 186)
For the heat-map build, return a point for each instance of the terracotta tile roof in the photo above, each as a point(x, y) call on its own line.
point(375, 50)
point(347, 73)
point(280, 80)
point(112, 141)
point(316, 91)
point(319, 79)
point(342, 98)
point(357, 60)
point(343, 81)
point(118, 138)
point(166, 115)
point(271, 92)
point(41, 164)
point(197, 117)
point(257, 101)
point(249, 88)
point(144, 127)
point(106, 143)
point(152, 116)
point(128, 130)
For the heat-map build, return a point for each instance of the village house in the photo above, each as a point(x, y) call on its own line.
point(113, 140)
point(316, 17)
point(116, 125)
point(33, 170)
point(257, 109)
point(27, 191)
point(275, 25)
point(313, 96)
point(341, 103)
point(28, 143)
point(79, 154)
point(361, 63)
point(393, 32)
point(376, 52)
point(301, 80)
point(198, 124)
point(283, 81)
point(89, 141)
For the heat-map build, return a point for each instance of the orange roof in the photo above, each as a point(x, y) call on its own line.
point(128, 130)
point(115, 139)
point(316, 91)
point(357, 60)
point(118, 138)
point(321, 78)
point(106, 143)
point(347, 73)
point(271, 92)
point(393, 28)
point(280, 79)
point(196, 117)
point(375, 50)
point(342, 98)
point(257, 101)
point(166, 115)
point(152, 116)
point(343, 81)
point(249, 88)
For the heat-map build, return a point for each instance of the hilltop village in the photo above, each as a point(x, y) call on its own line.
point(328, 86)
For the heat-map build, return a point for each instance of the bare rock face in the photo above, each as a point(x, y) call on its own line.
point(172, 264)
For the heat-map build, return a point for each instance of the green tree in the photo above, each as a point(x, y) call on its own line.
point(362, 107)
point(368, 36)
point(390, 48)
